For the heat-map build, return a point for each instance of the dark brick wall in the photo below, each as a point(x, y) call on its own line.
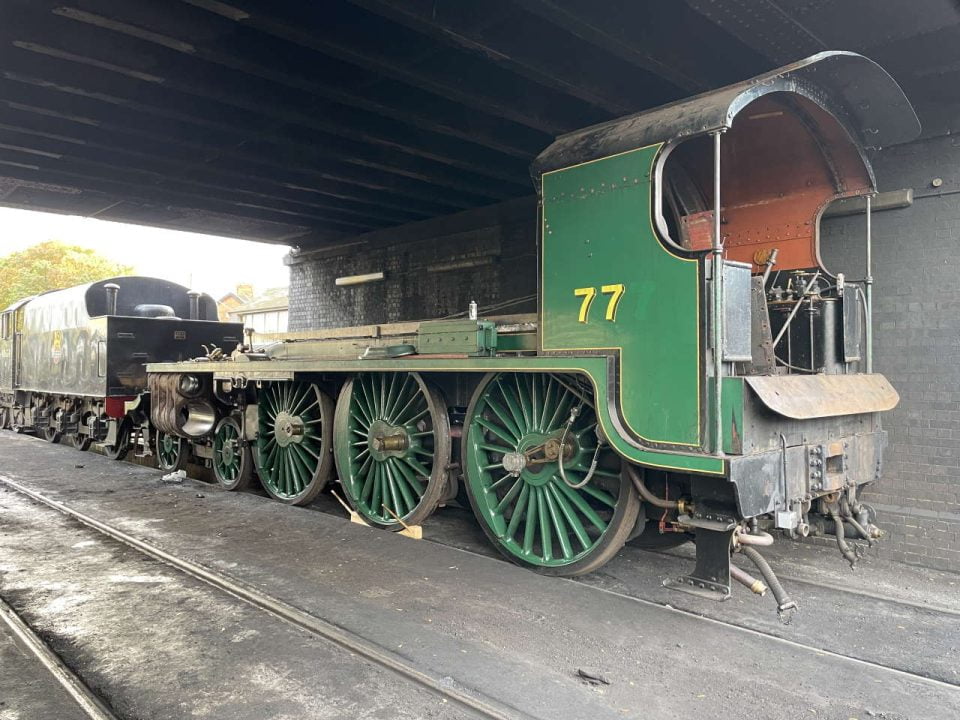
point(502, 237)
point(917, 345)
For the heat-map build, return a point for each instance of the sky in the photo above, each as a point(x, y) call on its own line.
point(208, 263)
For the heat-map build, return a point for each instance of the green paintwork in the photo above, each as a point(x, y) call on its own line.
point(468, 337)
point(597, 231)
point(168, 450)
point(287, 462)
point(732, 405)
point(227, 452)
point(533, 514)
point(382, 483)
point(593, 367)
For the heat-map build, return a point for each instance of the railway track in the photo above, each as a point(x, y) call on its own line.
point(85, 699)
point(472, 701)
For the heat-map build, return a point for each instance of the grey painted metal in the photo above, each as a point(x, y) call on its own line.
point(737, 289)
point(857, 91)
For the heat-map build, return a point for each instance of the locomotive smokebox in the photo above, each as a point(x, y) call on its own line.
point(112, 290)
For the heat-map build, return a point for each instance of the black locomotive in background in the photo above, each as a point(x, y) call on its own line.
point(73, 361)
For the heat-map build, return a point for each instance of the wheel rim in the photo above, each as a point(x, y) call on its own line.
point(168, 451)
point(228, 452)
point(291, 440)
point(392, 445)
point(51, 434)
point(515, 425)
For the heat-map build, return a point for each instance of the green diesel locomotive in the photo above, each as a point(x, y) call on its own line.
point(693, 371)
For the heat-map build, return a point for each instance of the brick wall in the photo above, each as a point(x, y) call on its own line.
point(495, 248)
point(917, 345)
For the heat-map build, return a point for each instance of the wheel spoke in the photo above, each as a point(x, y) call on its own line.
point(505, 419)
point(581, 504)
point(511, 494)
point(572, 520)
point(559, 525)
point(519, 510)
point(407, 474)
point(495, 429)
point(546, 535)
point(510, 400)
point(530, 524)
point(601, 495)
point(528, 423)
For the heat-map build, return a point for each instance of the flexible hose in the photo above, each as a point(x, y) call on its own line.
point(785, 605)
point(845, 550)
point(861, 530)
point(645, 492)
point(748, 580)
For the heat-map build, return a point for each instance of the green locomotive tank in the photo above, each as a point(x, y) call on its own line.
point(694, 371)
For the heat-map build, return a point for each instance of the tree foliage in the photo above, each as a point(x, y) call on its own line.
point(50, 266)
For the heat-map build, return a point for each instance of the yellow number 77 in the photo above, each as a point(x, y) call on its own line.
point(616, 292)
point(589, 293)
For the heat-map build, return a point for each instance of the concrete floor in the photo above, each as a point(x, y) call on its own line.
point(882, 642)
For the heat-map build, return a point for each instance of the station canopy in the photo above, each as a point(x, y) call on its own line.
point(306, 122)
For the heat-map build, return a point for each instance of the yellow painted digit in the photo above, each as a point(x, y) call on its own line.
point(588, 294)
point(617, 293)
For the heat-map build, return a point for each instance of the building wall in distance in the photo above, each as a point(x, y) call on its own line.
point(494, 247)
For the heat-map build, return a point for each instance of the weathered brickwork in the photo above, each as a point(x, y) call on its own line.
point(916, 318)
point(495, 248)
point(917, 345)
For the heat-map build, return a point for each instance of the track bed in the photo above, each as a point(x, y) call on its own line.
point(490, 628)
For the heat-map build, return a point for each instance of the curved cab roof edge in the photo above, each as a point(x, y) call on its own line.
point(853, 88)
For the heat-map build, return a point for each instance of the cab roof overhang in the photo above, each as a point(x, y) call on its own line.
point(863, 97)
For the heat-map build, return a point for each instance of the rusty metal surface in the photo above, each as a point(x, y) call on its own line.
point(804, 397)
point(856, 90)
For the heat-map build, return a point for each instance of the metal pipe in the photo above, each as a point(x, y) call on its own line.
point(868, 285)
point(112, 290)
point(645, 491)
point(760, 538)
point(771, 261)
point(716, 311)
point(194, 296)
point(748, 580)
point(796, 308)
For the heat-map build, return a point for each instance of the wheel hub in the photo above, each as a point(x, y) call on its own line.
point(386, 440)
point(288, 429)
point(514, 463)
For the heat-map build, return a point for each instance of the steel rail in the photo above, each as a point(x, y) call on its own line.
point(467, 698)
point(93, 706)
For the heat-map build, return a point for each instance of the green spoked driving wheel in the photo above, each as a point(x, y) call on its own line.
point(294, 435)
point(232, 462)
point(172, 452)
point(392, 447)
point(537, 512)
